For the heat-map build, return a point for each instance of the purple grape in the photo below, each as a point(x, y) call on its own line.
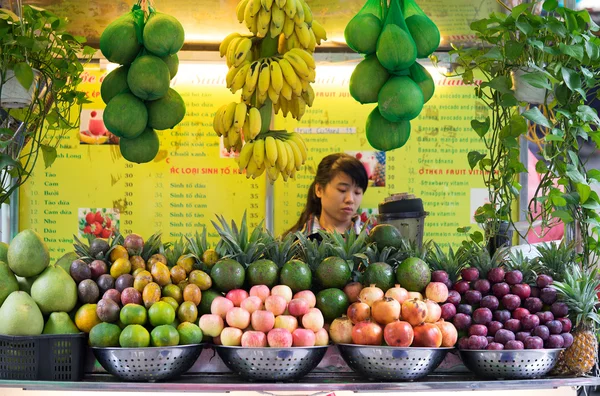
point(566, 323)
point(472, 297)
point(520, 313)
point(478, 330)
point(496, 275)
point(535, 292)
point(511, 302)
point(440, 276)
point(461, 321)
point(522, 335)
point(490, 302)
point(493, 327)
point(477, 342)
point(548, 295)
point(514, 345)
point(513, 277)
point(494, 346)
point(533, 304)
point(503, 336)
point(482, 285)
point(463, 343)
point(545, 316)
point(469, 274)
point(464, 309)
point(534, 342)
point(500, 289)
point(448, 311)
point(541, 331)
point(554, 341)
point(453, 297)
point(568, 339)
point(555, 327)
point(482, 316)
point(543, 281)
point(559, 309)
point(502, 315)
point(489, 339)
point(462, 287)
point(530, 322)
point(523, 290)
point(513, 325)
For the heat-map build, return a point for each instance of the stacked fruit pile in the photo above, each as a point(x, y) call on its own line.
point(392, 40)
point(137, 94)
point(273, 67)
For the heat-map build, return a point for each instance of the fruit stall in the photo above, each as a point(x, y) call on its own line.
point(155, 159)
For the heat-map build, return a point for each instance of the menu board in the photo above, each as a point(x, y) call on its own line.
point(208, 21)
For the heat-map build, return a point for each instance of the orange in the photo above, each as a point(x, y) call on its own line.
point(160, 274)
point(187, 263)
point(134, 336)
point(118, 252)
point(86, 318)
point(187, 312)
point(171, 301)
point(161, 313)
point(137, 262)
point(120, 267)
point(164, 335)
point(133, 314)
point(200, 279)
point(173, 291)
point(189, 333)
point(192, 293)
point(178, 274)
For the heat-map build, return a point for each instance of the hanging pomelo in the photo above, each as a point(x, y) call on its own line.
point(364, 28)
point(385, 135)
point(126, 116)
point(172, 62)
point(148, 77)
point(422, 29)
point(367, 79)
point(163, 34)
point(421, 76)
point(114, 83)
point(396, 49)
point(120, 42)
point(400, 99)
point(141, 149)
point(166, 112)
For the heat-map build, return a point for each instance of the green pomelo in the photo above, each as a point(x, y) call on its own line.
point(28, 254)
point(114, 83)
point(380, 275)
point(25, 283)
point(60, 323)
point(421, 76)
point(297, 275)
point(367, 80)
point(140, 149)
point(263, 272)
point(396, 50)
point(425, 34)
point(4, 252)
point(20, 316)
point(362, 32)
point(400, 99)
point(333, 272)
point(8, 282)
point(413, 274)
point(384, 135)
point(65, 261)
point(54, 291)
point(148, 77)
point(166, 112)
point(385, 235)
point(333, 303)
point(163, 34)
point(126, 116)
point(172, 62)
point(119, 42)
point(105, 335)
point(228, 274)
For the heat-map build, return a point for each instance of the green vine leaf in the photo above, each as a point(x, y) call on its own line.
point(24, 74)
point(49, 154)
point(563, 215)
point(541, 167)
point(537, 80)
point(481, 127)
point(588, 114)
point(573, 81)
point(535, 115)
point(574, 174)
point(550, 5)
point(474, 157)
point(584, 192)
point(574, 51)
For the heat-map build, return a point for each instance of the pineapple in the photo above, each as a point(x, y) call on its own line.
point(282, 249)
point(379, 265)
point(176, 254)
point(152, 246)
point(236, 243)
point(555, 258)
point(451, 263)
point(346, 246)
point(89, 252)
point(578, 291)
point(478, 256)
point(530, 268)
point(200, 250)
point(311, 252)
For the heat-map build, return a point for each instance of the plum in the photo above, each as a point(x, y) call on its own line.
point(513, 277)
point(496, 275)
point(500, 289)
point(463, 343)
point(461, 321)
point(482, 285)
point(453, 297)
point(477, 342)
point(105, 282)
point(555, 327)
point(80, 271)
point(548, 295)
point(511, 302)
point(534, 342)
point(489, 339)
point(566, 323)
point(554, 341)
point(520, 313)
point(465, 309)
point(533, 304)
point(514, 345)
point(545, 316)
point(440, 276)
point(530, 322)
point(493, 327)
point(478, 330)
point(462, 286)
point(482, 316)
point(502, 315)
point(494, 346)
point(503, 336)
point(472, 297)
point(513, 325)
point(522, 335)
point(448, 311)
point(559, 309)
point(98, 267)
point(123, 282)
point(541, 331)
point(490, 302)
point(523, 290)
point(568, 339)
point(543, 281)
point(535, 291)
point(469, 274)
point(112, 294)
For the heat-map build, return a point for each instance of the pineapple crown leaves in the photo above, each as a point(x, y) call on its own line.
point(83, 250)
point(579, 291)
point(152, 246)
point(372, 255)
point(348, 245)
point(451, 262)
point(175, 251)
point(411, 249)
point(478, 256)
point(554, 258)
point(312, 252)
point(530, 268)
point(281, 250)
point(237, 243)
point(197, 245)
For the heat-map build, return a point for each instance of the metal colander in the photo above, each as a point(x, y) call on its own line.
point(271, 364)
point(510, 364)
point(384, 363)
point(148, 364)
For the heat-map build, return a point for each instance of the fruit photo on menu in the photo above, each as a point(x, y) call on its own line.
point(374, 163)
point(92, 130)
point(99, 222)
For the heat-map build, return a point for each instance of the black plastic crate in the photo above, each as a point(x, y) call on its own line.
point(43, 357)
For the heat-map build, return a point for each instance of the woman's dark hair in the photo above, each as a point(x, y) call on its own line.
point(328, 169)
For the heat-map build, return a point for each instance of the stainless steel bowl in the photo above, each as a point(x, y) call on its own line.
point(148, 364)
point(384, 363)
point(510, 364)
point(271, 364)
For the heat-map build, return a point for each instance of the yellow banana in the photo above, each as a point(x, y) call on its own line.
point(252, 76)
point(259, 172)
point(297, 89)
point(298, 64)
point(299, 17)
point(306, 57)
point(301, 107)
point(234, 137)
point(226, 143)
point(288, 72)
point(303, 34)
point(238, 146)
point(288, 27)
point(240, 78)
point(305, 85)
point(266, 4)
point(249, 17)
point(280, 3)
point(274, 96)
point(319, 30)
point(264, 79)
point(240, 10)
point(246, 130)
point(242, 50)
point(276, 107)
point(276, 77)
point(259, 152)
point(264, 21)
point(231, 75)
point(285, 106)
point(272, 174)
point(271, 150)
point(313, 41)
point(298, 159)
point(261, 98)
point(282, 158)
point(255, 122)
point(308, 15)
point(277, 21)
point(309, 95)
point(312, 75)
point(230, 56)
point(255, 8)
point(247, 94)
point(224, 46)
point(228, 116)
point(291, 161)
point(218, 121)
point(251, 169)
point(290, 8)
point(240, 115)
point(282, 44)
point(293, 42)
point(296, 138)
point(286, 90)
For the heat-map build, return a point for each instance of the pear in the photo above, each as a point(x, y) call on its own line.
point(54, 291)
point(8, 282)
point(60, 323)
point(20, 316)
